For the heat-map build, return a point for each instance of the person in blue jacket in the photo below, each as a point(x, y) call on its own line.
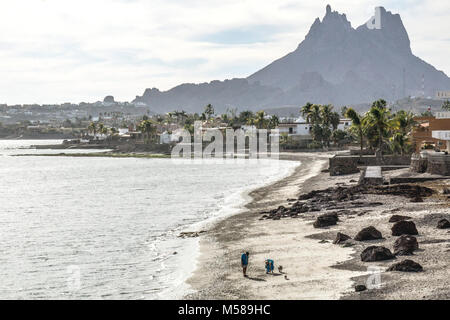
point(244, 263)
point(269, 266)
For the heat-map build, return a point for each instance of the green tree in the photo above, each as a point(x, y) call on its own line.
point(274, 121)
point(260, 121)
point(378, 118)
point(306, 111)
point(148, 130)
point(401, 126)
point(357, 127)
point(209, 111)
point(92, 128)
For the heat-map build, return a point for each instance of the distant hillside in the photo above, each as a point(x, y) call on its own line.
point(335, 63)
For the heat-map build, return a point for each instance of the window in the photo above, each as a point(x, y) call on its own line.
point(291, 130)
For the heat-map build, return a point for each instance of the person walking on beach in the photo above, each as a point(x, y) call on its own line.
point(244, 263)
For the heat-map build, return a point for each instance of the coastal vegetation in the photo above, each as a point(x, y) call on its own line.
point(377, 129)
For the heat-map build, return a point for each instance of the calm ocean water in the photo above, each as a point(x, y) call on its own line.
point(103, 228)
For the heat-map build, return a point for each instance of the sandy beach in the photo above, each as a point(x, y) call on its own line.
point(314, 267)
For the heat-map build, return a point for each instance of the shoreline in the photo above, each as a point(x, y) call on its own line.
point(215, 280)
point(316, 268)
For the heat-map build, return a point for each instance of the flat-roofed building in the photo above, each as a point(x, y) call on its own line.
point(432, 132)
point(443, 95)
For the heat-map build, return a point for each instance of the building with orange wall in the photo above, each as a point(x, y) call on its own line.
point(422, 134)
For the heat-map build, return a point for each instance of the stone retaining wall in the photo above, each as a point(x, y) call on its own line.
point(340, 165)
point(439, 164)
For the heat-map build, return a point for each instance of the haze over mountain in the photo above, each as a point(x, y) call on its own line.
point(335, 63)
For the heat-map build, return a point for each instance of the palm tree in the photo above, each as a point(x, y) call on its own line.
point(260, 120)
point(209, 111)
point(305, 111)
point(92, 127)
point(379, 118)
point(401, 125)
point(147, 129)
point(245, 116)
point(357, 127)
point(274, 121)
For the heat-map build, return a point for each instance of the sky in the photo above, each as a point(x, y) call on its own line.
point(56, 51)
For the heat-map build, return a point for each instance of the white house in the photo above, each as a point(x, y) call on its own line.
point(123, 131)
point(301, 129)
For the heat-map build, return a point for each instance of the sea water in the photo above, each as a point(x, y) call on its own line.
point(107, 228)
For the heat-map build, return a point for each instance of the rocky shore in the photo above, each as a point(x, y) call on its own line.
point(334, 238)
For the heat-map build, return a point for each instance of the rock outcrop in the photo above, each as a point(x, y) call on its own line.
point(376, 253)
point(405, 245)
point(397, 218)
point(404, 227)
point(406, 266)
point(443, 224)
point(326, 220)
point(369, 233)
point(340, 238)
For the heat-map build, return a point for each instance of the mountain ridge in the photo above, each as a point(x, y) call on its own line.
point(335, 63)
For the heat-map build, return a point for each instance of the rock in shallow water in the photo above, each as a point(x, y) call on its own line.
point(404, 227)
point(406, 266)
point(369, 233)
point(376, 253)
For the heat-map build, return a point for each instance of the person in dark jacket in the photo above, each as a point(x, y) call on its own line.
point(244, 263)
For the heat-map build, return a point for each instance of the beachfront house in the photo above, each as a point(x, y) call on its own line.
point(301, 130)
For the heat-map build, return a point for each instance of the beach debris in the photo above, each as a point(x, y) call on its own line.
point(192, 234)
point(340, 238)
point(369, 233)
point(397, 218)
point(405, 245)
point(406, 266)
point(443, 224)
point(280, 269)
point(404, 227)
point(325, 220)
point(376, 253)
point(360, 287)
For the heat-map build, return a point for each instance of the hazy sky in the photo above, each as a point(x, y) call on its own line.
point(54, 51)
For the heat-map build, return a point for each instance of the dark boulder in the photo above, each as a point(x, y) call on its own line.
point(397, 218)
point(360, 287)
point(376, 253)
point(404, 227)
point(405, 245)
point(369, 233)
point(406, 266)
point(340, 238)
point(326, 220)
point(443, 224)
